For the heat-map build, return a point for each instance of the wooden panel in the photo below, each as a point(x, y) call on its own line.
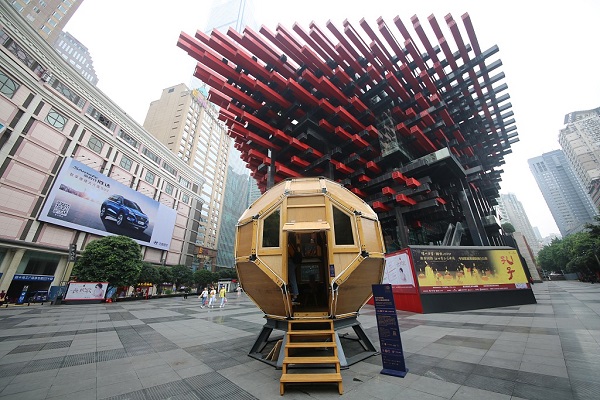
point(244, 240)
point(306, 214)
point(353, 293)
point(261, 289)
point(273, 260)
point(371, 236)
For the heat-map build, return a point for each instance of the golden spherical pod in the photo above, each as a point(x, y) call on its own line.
point(308, 247)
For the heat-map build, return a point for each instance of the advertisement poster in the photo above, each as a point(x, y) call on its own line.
point(392, 355)
point(87, 200)
point(467, 269)
point(398, 270)
point(86, 291)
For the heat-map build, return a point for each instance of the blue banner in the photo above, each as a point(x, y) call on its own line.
point(33, 278)
point(392, 355)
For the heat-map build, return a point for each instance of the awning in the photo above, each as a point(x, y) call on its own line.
point(311, 226)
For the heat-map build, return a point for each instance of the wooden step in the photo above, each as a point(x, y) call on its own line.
point(311, 332)
point(310, 321)
point(311, 378)
point(309, 345)
point(335, 377)
point(311, 360)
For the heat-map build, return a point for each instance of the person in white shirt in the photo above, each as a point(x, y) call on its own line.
point(213, 295)
point(204, 297)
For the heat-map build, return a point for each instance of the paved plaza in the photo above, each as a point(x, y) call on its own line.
point(173, 349)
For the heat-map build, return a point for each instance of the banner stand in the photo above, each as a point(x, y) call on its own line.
point(392, 355)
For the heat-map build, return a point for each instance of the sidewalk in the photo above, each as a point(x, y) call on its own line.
point(173, 349)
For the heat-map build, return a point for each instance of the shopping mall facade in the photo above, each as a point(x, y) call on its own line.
point(74, 167)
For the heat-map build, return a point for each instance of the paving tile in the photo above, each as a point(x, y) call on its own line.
point(75, 385)
point(36, 394)
point(533, 392)
point(435, 387)
point(528, 352)
point(119, 388)
point(87, 394)
point(490, 384)
point(469, 393)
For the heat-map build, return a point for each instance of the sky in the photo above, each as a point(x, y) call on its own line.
point(548, 53)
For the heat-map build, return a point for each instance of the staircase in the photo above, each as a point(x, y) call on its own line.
point(310, 346)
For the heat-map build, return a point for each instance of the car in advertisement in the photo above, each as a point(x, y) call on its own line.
point(81, 198)
point(124, 211)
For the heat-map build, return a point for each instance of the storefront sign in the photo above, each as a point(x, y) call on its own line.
point(33, 278)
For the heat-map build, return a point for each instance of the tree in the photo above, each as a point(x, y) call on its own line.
point(149, 274)
point(182, 275)
point(229, 273)
point(166, 275)
point(553, 257)
point(507, 227)
point(204, 277)
point(575, 253)
point(113, 259)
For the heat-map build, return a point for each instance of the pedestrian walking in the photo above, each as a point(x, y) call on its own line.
point(213, 296)
point(222, 293)
point(203, 297)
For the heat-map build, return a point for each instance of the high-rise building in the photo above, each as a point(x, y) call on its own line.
point(236, 14)
point(75, 167)
point(580, 141)
point(77, 55)
point(512, 211)
point(187, 124)
point(49, 18)
point(234, 206)
point(566, 198)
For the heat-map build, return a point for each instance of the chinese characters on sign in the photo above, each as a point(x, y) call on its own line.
point(468, 270)
point(392, 355)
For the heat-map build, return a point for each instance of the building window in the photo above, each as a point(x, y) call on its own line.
point(151, 155)
point(185, 198)
point(126, 163)
point(169, 188)
point(95, 114)
point(95, 144)
point(8, 87)
point(169, 169)
point(342, 227)
point(184, 182)
point(67, 92)
point(128, 139)
point(56, 120)
point(150, 177)
point(271, 228)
